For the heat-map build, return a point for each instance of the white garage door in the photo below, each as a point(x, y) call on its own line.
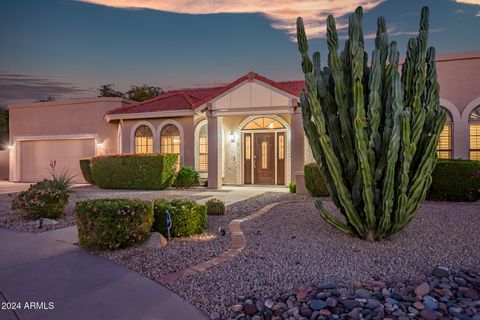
point(35, 157)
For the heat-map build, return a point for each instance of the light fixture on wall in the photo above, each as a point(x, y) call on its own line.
point(232, 136)
point(10, 147)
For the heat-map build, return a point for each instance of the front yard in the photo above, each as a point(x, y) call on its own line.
point(296, 265)
point(16, 222)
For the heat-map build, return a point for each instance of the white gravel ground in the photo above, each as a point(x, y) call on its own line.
point(292, 246)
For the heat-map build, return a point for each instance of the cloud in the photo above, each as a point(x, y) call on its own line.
point(282, 13)
point(15, 86)
point(476, 2)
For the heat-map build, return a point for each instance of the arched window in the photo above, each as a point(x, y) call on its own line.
point(474, 121)
point(203, 148)
point(170, 142)
point(263, 123)
point(444, 147)
point(143, 140)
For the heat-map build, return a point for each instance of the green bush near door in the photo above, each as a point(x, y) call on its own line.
point(314, 181)
point(110, 224)
point(134, 171)
point(188, 217)
point(455, 180)
point(186, 178)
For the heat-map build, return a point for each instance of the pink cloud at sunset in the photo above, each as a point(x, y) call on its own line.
point(282, 13)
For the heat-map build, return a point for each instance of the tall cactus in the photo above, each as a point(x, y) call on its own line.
point(372, 131)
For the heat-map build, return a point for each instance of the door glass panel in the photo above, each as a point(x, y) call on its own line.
point(281, 147)
point(264, 155)
point(247, 147)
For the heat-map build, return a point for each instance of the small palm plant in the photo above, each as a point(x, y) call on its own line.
point(372, 131)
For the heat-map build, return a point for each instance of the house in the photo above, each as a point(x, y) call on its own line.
point(246, 132)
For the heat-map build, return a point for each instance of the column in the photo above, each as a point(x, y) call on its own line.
point(214, 152)
point(297, 145)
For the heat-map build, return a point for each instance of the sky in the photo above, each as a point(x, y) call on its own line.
point(68, 48)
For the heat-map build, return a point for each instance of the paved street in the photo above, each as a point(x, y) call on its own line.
point(36, 268)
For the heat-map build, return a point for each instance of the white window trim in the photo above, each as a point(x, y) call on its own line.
point(134, 129)
point(198, 127)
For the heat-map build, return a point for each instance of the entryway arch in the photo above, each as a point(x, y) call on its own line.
point(265, 150)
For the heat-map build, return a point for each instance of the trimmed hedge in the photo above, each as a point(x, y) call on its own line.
point(455, 180)
point(188, 217)
point(134, 171)
point(314, 181)
point(86, 169)
point(109, 224)
point(187, 177)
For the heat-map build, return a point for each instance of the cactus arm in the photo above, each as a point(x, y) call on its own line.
point(360, 123)
point(327, 216)
point(408, 70)
point(331, 159)
point(341, 97)
point(388, 191)
point(311, 133)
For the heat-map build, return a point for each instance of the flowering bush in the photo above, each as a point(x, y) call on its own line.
point(109, 224)
point(41, 201)
point(46, 198)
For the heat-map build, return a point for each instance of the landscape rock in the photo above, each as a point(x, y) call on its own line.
point(156, 241)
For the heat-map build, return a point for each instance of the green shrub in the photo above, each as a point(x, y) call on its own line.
point(109, 224)
point(455, 180)
point(41, 200)
point(86, 169)
point(134, 171)
point(314, 181)
point(187, 178)
point(215, 207)
point(188, 217)
point(292, 187)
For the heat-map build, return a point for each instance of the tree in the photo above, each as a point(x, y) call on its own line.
point(4, 127)
point(107, 90)
point(142, 93)
point(47, 99)
point(373, 131)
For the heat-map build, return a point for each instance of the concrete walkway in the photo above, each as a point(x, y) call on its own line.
point(232, 194)
point(82, 286)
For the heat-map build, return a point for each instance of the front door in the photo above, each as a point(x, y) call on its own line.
point(264, 158)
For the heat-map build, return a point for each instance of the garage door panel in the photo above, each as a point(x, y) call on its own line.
point(36, 156)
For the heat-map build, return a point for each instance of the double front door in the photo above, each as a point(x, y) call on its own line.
point(264, 158)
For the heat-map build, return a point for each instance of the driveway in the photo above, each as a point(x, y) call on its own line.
point(35, 268)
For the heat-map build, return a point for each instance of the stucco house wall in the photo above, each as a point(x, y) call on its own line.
point(61, 120)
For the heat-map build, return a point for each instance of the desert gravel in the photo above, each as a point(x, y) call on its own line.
point(184, 252)
point(292, 245)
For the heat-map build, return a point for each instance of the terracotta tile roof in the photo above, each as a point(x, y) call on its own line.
point(192, 98)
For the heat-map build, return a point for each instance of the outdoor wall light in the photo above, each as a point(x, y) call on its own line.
point(99, 144)
point(232, 137)
point(10, 147)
